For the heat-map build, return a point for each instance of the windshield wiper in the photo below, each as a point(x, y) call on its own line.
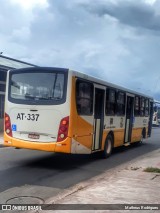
point(29, 96)
point(48, 98)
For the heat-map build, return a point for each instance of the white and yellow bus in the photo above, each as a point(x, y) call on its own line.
point(156, 114)
point(60, 110)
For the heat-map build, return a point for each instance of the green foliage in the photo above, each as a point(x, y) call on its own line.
point(152, 169)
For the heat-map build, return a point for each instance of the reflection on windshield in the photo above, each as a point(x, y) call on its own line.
point(37, 86)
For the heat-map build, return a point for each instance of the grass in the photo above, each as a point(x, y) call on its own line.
point(152, 169)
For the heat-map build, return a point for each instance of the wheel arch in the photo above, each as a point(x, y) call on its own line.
point(108, 145)
point(111, 133)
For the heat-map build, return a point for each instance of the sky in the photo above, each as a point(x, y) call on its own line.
point(114, 40)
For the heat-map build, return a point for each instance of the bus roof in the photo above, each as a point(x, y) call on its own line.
point(102, 82)
point(86, 77)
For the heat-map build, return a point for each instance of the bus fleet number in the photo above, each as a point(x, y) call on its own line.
point(32, 117)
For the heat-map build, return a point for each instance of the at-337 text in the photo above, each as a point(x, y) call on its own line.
point(23, 116)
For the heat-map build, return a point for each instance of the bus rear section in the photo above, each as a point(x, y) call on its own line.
point(156, 114)
point(37, 110)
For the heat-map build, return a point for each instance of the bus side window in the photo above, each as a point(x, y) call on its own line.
point(146, 107)
point(110, 102)
point(120, 103)
point(142, 108)
point(137, 106)
point(84, 98)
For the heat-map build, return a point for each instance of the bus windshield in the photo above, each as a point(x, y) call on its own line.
point(37, 87)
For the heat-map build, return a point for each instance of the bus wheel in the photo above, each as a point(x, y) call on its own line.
point(141, 140)
point(108, 147)
point(142, 136)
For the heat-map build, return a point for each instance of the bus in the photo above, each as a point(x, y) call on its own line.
point(156, 114)
point(65, 111)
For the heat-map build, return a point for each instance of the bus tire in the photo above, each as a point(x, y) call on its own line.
point(142, 136)
point(108, 146)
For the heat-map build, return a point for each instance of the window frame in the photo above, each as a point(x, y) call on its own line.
point(122, 104)
point(137, 111)
point(39, 70)
point(2, 103)
point(109, 103)
point(142, 108)
point(146, 108)
point(79, 98)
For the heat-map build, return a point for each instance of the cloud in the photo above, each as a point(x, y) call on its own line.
point(133, 13)
point(114, 40)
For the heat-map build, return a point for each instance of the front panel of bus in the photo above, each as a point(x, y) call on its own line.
point(37, 108)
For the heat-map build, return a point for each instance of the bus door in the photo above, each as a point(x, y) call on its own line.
point(99, 95)
point(129, 118)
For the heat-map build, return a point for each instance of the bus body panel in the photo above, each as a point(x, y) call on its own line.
point(37, 126)
point(116, 125)
point(140, 123)
point(81, 126)
point(63, 147)
point(41, 121)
